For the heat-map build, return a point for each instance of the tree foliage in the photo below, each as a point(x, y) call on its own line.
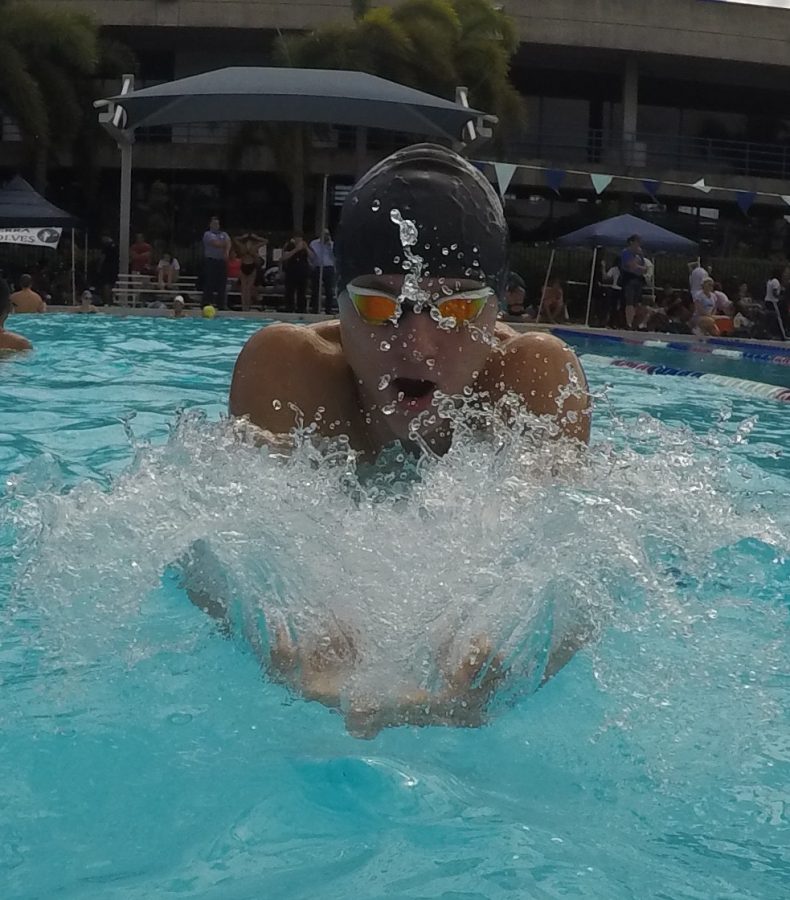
point(433, 45)
point(49, 62)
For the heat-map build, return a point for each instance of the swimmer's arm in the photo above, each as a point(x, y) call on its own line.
point(542, 369)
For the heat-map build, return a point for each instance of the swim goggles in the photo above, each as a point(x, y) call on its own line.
point(377, 307)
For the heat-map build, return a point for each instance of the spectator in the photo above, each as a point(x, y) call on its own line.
point(233, 265)
point(679, 316)
point(108, 268)
point(515, 298)
point(773, 300)
point(141, 256)
point(697, 274)
point(167, 271)
point(552, 304)
point(8, 340)
point(610, 293)
point(296, 268)
point(322, 263)
point(773, 288)
point(26, 300)
point(216, 249)
point(248, 247)
point(705, 309)
point(632, 277)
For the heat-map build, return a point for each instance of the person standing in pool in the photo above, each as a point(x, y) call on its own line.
point(8, 340)
point(422, 266)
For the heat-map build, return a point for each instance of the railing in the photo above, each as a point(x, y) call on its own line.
point(655, 153)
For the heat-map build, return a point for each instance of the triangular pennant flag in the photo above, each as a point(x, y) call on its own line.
point(651, 186)
point(786, 198)
point(745, 199)
point(600, 182)
point(504, 175)
point(554, 179)
point(701, 186)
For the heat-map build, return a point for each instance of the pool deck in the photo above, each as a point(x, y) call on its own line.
point(772, 351)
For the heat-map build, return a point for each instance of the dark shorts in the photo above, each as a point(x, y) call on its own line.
point(632, 292)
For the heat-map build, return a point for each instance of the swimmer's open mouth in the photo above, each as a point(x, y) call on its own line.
point(413, 388)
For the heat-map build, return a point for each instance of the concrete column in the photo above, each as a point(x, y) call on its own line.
point(630, 106)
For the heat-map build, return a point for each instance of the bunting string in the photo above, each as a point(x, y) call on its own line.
point(600, 182)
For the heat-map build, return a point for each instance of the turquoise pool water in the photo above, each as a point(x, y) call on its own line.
point(144, 755)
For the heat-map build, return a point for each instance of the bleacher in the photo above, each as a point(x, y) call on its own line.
point(143, 290)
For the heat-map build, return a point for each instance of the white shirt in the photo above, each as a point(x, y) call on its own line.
point(322, 253)
point(173, 264)
point(773, 291)
point(696, 278)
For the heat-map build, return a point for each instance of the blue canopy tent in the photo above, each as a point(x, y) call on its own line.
point(615, 232)
point(23, 207)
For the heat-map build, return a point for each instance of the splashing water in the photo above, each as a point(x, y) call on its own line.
point(668, 541)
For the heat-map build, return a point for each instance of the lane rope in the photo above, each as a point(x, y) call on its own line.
point(755, 388)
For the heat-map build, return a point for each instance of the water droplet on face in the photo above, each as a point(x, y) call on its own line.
point(445, 251)
point(384, 382)
point(277, 404)
point(453, 246)
point(384, 346)
point(375, 205)
point(377, 271)
point(401, 395)
point(430, 363)
point(389, 409)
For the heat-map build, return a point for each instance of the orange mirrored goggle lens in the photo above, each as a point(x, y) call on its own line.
point(376, 309)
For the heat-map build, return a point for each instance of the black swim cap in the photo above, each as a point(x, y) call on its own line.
point(461, 228)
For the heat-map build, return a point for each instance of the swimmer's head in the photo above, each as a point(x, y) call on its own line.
point(461, 228)
point(406, 350)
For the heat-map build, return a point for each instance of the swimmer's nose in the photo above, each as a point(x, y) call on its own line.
point(420, 333)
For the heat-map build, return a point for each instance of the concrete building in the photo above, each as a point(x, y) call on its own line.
point(672, 90)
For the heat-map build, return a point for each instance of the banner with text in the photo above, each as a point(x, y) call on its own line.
point(33, 237)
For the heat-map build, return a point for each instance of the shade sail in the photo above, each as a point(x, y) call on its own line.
point(257, 94)
point(615, 232)
point(21, 205)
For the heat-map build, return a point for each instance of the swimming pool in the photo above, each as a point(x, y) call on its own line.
point(143, 755)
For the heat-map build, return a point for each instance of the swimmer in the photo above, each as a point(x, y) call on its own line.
point(26, 300)
point(387, 358)
point(8, 340)
point(86, 304)
point(179, 307)
point(418, 319)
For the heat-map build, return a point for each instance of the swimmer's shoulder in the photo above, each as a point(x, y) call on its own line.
point(541, 368)
point(286, 364)
point(14, 342)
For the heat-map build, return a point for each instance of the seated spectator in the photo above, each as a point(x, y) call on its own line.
point(8, 340)
point(552, 304)
point(167, 271)
point(141, 256)
point(86, 303)
point(26, 300)
point(515, 298)
point(774, 296)
point(679, 317)
point(703, 322)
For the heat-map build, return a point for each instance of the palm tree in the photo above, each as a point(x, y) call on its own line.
point(433, 45)
point(48, 60)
